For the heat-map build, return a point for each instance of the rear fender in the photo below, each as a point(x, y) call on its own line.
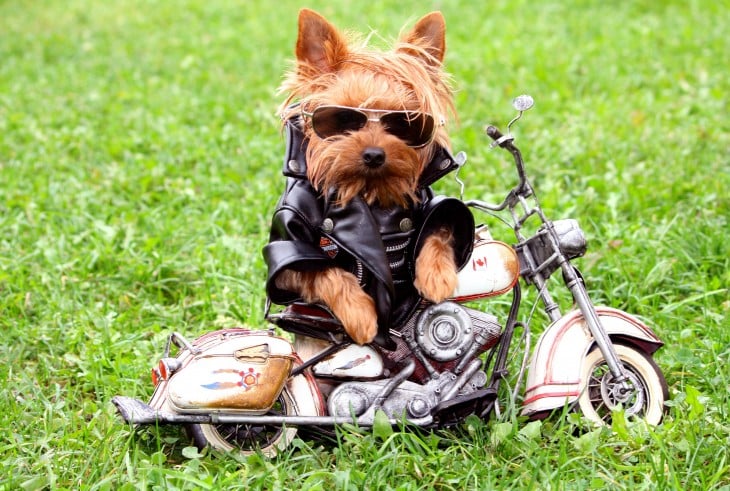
point(553, 379)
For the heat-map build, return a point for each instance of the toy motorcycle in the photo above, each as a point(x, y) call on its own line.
point(238, 389)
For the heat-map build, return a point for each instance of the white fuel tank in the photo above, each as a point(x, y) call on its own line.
point(492, 269)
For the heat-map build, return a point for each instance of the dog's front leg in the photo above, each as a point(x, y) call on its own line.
point(436, 267)
point(340, 291)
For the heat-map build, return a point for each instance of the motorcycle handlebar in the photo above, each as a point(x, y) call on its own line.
point(522, 189)
point(499, 139)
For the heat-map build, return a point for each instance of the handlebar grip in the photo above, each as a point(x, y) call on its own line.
point(500, 140)
point(493, 132)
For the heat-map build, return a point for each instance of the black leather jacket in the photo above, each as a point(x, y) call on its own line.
point(309, 233)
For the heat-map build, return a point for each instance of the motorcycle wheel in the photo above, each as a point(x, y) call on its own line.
point(598, 397)
point(246, 438)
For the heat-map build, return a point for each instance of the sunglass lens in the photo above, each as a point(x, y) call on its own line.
point(415, 129)
point(330, 121)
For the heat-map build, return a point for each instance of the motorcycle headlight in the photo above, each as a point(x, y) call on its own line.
point(571, 242)
point(571, 238)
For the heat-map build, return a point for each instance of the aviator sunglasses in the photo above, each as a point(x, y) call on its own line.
point(416, 129)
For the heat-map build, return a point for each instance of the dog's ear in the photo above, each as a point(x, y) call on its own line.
point(320, 46)
point(430, 34)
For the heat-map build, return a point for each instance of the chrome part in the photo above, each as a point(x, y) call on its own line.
point(600, 336)
point(444, 331)
point(407, 400)
point(615, 394)
point(134, 411)
point(523, 102)
point(461, 381)
point(419, 407)
point(460, 160)
point(178, 340)
point(432, 328)
point(553, 244)
point(487, 331)
point(571, 238)
point(353, 398)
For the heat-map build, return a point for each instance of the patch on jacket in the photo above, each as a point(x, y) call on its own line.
point(329, 247)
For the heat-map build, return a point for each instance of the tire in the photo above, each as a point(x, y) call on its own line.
point(248, 439)
point(596, 400)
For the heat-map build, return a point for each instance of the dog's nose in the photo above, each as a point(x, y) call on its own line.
point(373, 157)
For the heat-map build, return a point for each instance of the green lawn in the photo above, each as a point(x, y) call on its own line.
point(140, 160)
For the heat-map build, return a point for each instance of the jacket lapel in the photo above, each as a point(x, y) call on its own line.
point(354, 228)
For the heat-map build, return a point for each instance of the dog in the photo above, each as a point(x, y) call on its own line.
point(358, 228)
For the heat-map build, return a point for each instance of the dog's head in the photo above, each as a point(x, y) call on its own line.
point(373, 118)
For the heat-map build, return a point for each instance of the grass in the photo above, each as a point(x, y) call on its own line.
point(140, 161)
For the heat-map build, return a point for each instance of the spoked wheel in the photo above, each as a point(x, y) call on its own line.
point(601, 394)
point(247, 438)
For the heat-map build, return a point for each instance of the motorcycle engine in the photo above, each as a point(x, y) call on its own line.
point(438, 344)
point(446, 331)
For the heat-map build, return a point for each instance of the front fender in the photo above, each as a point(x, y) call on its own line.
point(553, 379)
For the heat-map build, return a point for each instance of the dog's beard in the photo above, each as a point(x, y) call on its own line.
point(337, 164)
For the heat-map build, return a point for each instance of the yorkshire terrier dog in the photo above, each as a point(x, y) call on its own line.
point(358, 228)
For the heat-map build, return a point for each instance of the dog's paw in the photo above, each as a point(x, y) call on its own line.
point(436, 269)
point(436, 285)
point(358, 317)
point(355, 309)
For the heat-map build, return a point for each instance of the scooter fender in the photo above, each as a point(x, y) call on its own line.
point(554, 376)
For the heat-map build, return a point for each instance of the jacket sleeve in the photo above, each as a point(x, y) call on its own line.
point(442, 211)
point(293, 243)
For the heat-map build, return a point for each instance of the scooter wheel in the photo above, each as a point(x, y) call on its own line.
point(600, 395)
point(246, 438)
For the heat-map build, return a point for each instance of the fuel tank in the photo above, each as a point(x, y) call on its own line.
point(492, 269)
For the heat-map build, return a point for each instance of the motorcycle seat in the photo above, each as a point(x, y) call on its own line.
point(313, 320)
